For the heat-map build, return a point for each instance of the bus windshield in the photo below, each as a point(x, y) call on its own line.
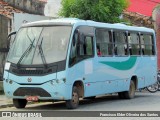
point(36, 45)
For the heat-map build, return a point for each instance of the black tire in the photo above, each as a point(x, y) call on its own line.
point(158, 87)
point(131, 93)
point(153, 88)
point(158, 80)
point(74, 102)
point(121, 95)
point(19, 103)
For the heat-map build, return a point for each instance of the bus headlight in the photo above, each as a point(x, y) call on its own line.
point(64, 80)
point(58, 81)
point(10, 81)
point(7, 80)
point(52, 82)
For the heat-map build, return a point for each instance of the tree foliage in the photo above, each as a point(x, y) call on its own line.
point(97, 10)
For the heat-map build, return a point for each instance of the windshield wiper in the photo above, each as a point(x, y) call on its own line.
point(27, 51)
point(42, 54)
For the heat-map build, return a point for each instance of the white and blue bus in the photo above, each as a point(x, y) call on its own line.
point(69, 59)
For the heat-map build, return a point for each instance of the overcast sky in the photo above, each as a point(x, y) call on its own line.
point(52, 7)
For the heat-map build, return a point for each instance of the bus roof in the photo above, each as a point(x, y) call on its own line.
point(75, 21)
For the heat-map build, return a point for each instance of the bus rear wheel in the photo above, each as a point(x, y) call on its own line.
point(19, 103)
point(131, 93)
point(74, 102)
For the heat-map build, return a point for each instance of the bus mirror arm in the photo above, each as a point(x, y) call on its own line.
point(9, 39)
point(8, 43)
point(12, 33)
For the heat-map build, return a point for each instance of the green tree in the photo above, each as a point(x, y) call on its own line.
point(97, 10)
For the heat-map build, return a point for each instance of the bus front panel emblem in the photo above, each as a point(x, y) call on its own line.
point(29, 79)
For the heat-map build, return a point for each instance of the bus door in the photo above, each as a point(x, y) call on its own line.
point(81, 61)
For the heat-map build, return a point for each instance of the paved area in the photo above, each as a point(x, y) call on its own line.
point(5, 102)
point(143, 101)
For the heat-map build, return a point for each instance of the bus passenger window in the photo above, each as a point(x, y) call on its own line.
point(104, 42)
point(134, 43)
point(120, 43)
point(147, 44)
point(98, 51)
point(142, 43)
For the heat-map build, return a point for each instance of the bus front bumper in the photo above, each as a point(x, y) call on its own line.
point(50, 90)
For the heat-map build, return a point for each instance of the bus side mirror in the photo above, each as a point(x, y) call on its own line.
point(8, 43)
point(10, 39)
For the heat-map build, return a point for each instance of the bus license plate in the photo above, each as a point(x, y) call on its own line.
point(32, 98)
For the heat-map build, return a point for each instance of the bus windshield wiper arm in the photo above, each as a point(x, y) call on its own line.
point(24, 54)
point(42, 54)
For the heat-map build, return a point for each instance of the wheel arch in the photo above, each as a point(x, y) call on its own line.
point(80, 86)
point(134, 78)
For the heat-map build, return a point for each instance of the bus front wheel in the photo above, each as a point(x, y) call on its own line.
point(121, 95)
point(74, 102)
point(19, 103)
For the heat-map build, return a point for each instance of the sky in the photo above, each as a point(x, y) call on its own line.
point(52, 7)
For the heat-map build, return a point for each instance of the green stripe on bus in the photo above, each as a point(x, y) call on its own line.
point(124, 65)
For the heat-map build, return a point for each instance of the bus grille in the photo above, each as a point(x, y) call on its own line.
point(30, 91)
point(31, 72)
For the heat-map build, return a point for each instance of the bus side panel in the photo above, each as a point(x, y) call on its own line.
point(147, 70)
point(115, 73)
point(102, 75)
point(85, 71)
